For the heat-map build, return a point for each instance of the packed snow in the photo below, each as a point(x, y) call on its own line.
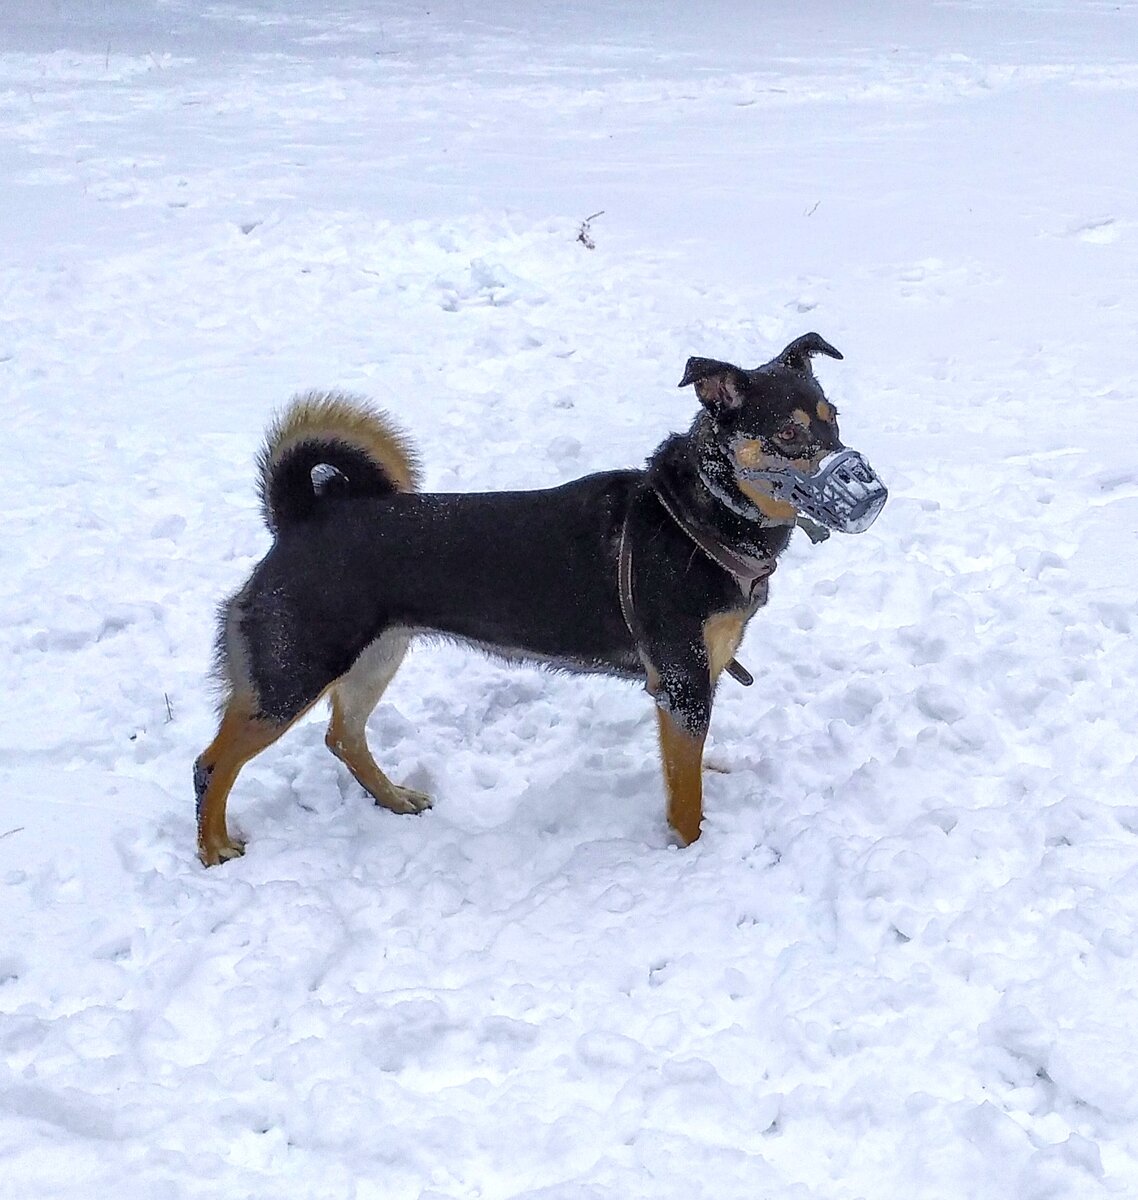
point(902, 961)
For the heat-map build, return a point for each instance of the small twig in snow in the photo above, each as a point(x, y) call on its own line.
point(169, 708)
point(583, 234)
point(18, 829)
point(811, 211)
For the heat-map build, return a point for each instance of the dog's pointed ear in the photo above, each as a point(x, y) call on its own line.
point(798, 354)
point(720, 386)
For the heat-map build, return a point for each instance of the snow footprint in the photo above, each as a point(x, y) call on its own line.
point(1102, 232)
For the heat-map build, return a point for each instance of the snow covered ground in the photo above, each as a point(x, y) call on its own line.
point(902, 963)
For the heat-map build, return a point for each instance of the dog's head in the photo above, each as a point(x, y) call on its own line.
point(774, 439)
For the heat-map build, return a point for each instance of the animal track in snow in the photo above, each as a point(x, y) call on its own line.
point(1098, 231)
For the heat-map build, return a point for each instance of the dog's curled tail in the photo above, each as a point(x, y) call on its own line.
point(330, 443)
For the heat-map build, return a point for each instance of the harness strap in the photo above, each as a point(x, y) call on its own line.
point(734, 668)
point(624, 579)
point(746, 571)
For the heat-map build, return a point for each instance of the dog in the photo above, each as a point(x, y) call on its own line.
point(647, 574)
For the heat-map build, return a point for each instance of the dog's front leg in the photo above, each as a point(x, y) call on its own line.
point(682, 755)
point(682, 691)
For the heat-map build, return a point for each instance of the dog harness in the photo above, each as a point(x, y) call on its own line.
point(747, 572)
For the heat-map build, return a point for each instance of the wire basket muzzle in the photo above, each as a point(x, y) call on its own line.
point(844, 494)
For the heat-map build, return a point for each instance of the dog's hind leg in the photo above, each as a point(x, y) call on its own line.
point(354, 696)
point(242, 735)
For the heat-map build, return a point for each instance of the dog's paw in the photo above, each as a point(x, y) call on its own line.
point(213, 854)
point(404, 800)
point(683, 833)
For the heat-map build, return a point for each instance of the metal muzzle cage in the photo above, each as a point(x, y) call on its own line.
point(843, 494)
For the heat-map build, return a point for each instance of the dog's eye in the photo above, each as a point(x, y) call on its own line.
point(791, 433)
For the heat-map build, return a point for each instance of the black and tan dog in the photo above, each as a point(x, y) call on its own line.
point(651, 575)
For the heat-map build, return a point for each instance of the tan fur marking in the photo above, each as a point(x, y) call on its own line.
point(754, 453)
point(682, 756)
point(354, 696)
point(345, 418)
point(750, 454)
point(240, 737)
point(349, 744)
point(718, 390)
point(826, 411)
point(800, 417)
point(722, 634)
point(776, 510)
point(651, 676)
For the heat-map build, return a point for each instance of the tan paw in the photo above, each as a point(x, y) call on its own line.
point(684, 833)
point(213, 854)
point(404, 800)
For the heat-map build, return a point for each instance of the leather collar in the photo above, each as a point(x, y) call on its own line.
point(746, 570)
